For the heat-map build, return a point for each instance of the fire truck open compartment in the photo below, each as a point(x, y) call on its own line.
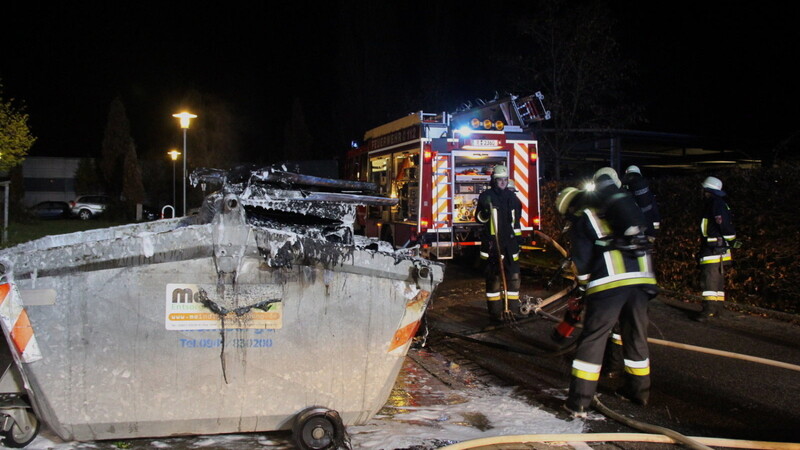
point(473, 175)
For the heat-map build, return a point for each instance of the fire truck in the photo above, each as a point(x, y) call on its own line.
point(437, 164)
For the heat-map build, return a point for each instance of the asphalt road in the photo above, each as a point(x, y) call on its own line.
point(693, 393)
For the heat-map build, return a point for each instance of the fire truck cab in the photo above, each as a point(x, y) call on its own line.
point(437, 165)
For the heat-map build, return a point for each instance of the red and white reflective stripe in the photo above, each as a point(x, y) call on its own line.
point(439, 191)
point(410, 322)
point(522, 181)
point(17, 324)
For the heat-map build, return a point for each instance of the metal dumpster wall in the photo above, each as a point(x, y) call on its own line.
point(111, 369)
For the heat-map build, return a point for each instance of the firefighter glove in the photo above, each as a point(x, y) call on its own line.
point(736, 244)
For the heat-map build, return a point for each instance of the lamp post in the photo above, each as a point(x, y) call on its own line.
point(185, 117)
point(174, 155)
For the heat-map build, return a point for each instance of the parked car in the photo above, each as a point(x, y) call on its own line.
point(150, 213)
point(87, 206)
point(50, 210)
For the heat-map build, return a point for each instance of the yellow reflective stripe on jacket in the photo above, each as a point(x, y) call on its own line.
point(619, 283)
point(517, 231)
point(601, 227)
point(614, 261)
point(644, 264)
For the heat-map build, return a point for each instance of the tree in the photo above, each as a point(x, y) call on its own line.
point(574, 58)
point(213, 139)
point(120, 164)
point(117, 142)
point(15, 135)
point(132, 187)
point(88, 179)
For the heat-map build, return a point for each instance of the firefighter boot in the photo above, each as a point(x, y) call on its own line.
point(495, 308)
point(639, 398)
point(711, 309)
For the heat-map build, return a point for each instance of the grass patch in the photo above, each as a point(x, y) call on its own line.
point(35, 229)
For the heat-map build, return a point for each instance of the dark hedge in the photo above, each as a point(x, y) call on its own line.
point(765, 207)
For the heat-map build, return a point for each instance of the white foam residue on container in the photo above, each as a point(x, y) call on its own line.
point(147, 245)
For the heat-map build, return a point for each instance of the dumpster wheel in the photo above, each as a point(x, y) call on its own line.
point(17, 437)
point(318, 428)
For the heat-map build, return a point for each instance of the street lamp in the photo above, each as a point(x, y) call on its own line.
point(185, 117)
point(174, 155)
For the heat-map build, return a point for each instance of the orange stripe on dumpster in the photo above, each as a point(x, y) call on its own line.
point(411, 320)
point(22, 332)
point(403, 335)
point(17, 324)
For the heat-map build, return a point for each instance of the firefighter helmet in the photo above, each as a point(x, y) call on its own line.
point(565, 199)
point(611, 173)
point(713, 183)
point(633, 169)
point(500, 171)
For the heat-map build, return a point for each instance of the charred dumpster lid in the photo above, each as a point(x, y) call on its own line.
point(276, 198)
point(251, 182)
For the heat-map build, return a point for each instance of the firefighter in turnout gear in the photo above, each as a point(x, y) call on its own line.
point(618, 284)
point(639, 187)
point(499, 210)
point(617, 206)
point(718, 236)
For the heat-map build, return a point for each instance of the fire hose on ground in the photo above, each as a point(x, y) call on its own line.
point(661, 434)
point(699, 442)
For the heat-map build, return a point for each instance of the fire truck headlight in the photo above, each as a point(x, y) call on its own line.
point(487, 124)
point(465, 131)
point(475, 122)
point(499, 125)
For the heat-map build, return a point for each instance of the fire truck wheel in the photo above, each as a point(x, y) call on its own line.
point(318, 428)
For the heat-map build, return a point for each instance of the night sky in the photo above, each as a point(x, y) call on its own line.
point(710, 68)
